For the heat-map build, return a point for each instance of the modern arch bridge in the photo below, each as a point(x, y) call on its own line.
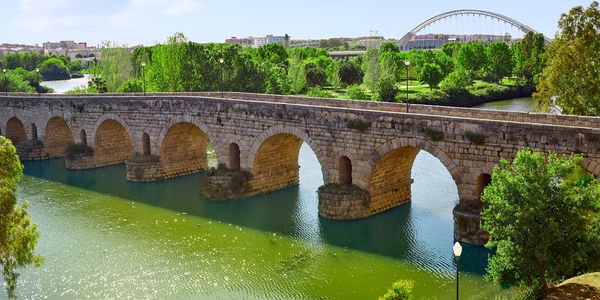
point(371, 145)
point(465, 12)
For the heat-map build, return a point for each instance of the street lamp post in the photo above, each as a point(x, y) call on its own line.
point(37, 70)
point(407, 64)
point(457, 249)
point(5, 82)
point(221, 61)
point(143, 64)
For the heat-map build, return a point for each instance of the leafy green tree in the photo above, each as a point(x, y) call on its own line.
point(17, 81)
point(389, 47)
point(457, 82)
point(274, 53)
point(500, 59)
point(297, 76)
point(28, 61)
point(472, 57)
point(131, 86)
point(431, 74)
point(573, 70)
point(357, 92)
point(386, 89)
point(401, 290)
point(18, 235)
point(451, 49)
point(54, 69)
point(115, 65)
point(75, 66)
point(333, 74)
point(97, 84)
point(529, 58)
point(277, 81)
point(540, 212)
point(371, 68)
point(315, 75)
point(350, 72)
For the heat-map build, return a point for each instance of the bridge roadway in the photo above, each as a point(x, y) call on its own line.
point(370, 145)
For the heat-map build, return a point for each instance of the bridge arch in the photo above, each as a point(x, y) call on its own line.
point(183, 146)
point(273, 157)
point(112, 141)
point(57, 136)
point(461, 12)
point(15, 131)
point(389, 178)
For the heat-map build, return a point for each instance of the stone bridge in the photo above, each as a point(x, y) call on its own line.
point(366, 149)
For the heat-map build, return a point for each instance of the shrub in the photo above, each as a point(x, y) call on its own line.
point(431, 96)
point(457, 81)
point(317, 92)
point(54, 69)
point(401, 290)
point(434, 135)
point(350, 73)
point(386, 89)
point(131, 86)
point(338, 189)
point(431, 74)
point(486, 89)
point(315, 75)
point(475, 138)
point(357, 92)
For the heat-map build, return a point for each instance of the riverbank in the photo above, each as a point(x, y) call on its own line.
point(478, 94)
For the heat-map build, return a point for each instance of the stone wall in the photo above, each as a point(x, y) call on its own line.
point(269, 130)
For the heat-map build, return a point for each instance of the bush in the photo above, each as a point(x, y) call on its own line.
point(456, 82)
point(401, 290)
point(317, 92)
point(350, 73)
point(315, 75)
point(431, 74)
point(357, 92)
point(488, 90)
point(431, 96)
point(54, 69)
point(386, 89)
point(131, 86)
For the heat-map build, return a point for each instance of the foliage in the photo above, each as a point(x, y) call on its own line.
point(540, 214)
point(350, 72)
point(317, 92)
point(401, 290)
point(54, 69)
point(18, 236)
point(431, 74)
point(13, 81)
point(333, 75)
point(500, 60)
point(357, 92)
point(274, 53)
point(451, 49)
point(315, 75)
point(573, 72)
point(359, 125)
point(296, 76)
point(389, 47)
point(131, 86)
point(472, 57)
point(115, 65)
point(486, 89)
point(386, 89)
point(528, 56)
point(76, 66)
point(28, 61)
point(434, 134)
point(342, 189)
point(457, 81)
point(370, 68)
point(97, 84)
point(276, 81)
point(475, 138)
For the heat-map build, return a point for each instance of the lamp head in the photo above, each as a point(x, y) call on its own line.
point(457, 249)
point(143, 64)
point(37, 70)
point(407, 63)
point(221, 60)
point(3, 70)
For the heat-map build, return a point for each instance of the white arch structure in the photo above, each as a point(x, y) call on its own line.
point(462, 12)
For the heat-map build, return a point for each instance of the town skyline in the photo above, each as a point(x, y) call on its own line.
point(136, 22)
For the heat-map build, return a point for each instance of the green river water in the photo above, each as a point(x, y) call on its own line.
point(104, 237)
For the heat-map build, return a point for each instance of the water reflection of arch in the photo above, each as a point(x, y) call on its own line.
point(390, 168)
point(275, 152)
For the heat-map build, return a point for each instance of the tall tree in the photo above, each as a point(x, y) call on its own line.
point(472, 57)
point(541, 214)
point(530, 58)
point(573, 72)
point(431, 74)
point(500, 60)
point(18, 236)
point(371, 68)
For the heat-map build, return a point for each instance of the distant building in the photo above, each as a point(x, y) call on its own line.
point(260, 41)
point(6, 48)
point(69, 48)
point(436, 41)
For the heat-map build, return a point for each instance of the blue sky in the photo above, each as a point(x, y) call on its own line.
point(135, 22)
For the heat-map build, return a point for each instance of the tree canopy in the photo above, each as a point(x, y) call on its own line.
point(18, 236)
point(543, 217)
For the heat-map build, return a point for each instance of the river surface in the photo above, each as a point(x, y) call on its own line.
point(104, 237)
point(61, 86)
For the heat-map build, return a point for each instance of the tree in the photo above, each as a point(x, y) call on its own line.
point(401, 290)
point(500, 60)
point(274, 53)
point(457, 81)
point(471, 57)
point(297, 76)
point(529, 57)
point(350, 73)
point(371, 68)
point(333, 75)
point(54, 69)
point(315, 75)
point(115, 65)
point(541, 212)
point(131, 86)
point(431, 74)
point(389, 47)
point(573, 73)
point(451, 49)
point(18, 236)
point(386, 89)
